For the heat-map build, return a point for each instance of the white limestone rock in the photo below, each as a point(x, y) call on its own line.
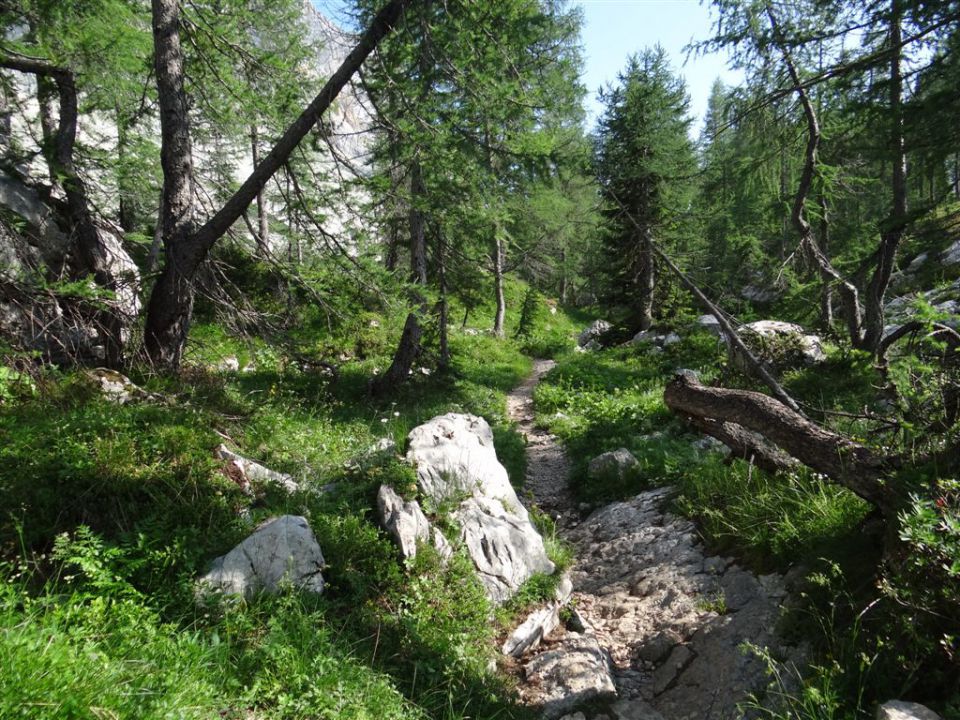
point(780, 344)
point(456, 463)
point(900, 710)
point(282, 551)
point(403, 520)
point(455, 458)
point(116, 386)
point(575, 671)
point(539, 623)
point(505, 547)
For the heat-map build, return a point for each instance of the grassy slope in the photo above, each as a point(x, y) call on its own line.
point(112, 511)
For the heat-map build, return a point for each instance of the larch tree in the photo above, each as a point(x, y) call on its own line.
point(186, 243)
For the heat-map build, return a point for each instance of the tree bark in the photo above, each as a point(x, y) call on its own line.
point(407, 353)
point(844, 461)
point(647, 280)
point(498, 264)
point(418, 235)
point(746, 445)
point(896, 223)
point(171, 303)
point(263, 220)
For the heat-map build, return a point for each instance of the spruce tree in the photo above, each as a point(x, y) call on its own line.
point(646, 167)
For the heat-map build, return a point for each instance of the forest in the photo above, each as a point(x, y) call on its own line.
point(349, 370)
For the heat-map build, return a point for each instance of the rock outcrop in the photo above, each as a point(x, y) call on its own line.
point(63, 329)
point(670, 618)
point(282, 551)
point(457, 465)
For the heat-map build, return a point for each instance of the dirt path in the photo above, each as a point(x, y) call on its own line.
point(547, 465)
point(655, 619)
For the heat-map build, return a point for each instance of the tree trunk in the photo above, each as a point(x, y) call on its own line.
point(851, 297)
point(896, 223)
point(171, 303)
point(418, 236)
point(844, 461)
point(444, 361)
point(407, 353)
point(647, 280)
point(498, 264)
point(263, 220)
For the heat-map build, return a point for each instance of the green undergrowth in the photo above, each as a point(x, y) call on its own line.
point(112, 512)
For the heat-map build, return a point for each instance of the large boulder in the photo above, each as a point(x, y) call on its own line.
point(457, 464)
point(455, 458)
point(780, 345)
point(594, 332)
point(282, 551)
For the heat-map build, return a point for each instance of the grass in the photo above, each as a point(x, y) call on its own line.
point(103, 622)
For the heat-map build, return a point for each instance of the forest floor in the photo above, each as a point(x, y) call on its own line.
point(672, 623)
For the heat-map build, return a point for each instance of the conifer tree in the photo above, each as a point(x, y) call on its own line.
point(646, 166)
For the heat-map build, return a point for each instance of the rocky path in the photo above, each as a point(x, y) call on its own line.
point(657, 627)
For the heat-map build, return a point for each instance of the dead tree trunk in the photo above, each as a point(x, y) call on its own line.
point(851, 297)
point(844, 461)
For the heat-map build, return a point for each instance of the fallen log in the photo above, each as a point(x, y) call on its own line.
point(844, 461)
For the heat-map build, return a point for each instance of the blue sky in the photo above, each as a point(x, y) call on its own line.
point(613, 29)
